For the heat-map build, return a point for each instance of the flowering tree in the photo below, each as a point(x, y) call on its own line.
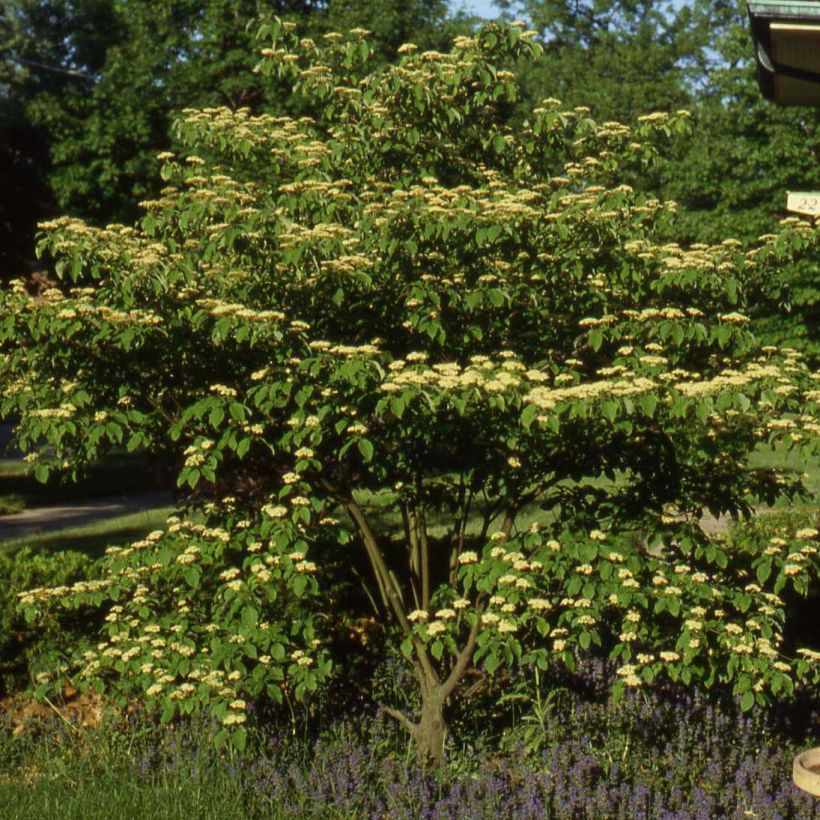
point(400, 305)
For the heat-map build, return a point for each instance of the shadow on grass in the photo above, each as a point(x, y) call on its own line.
point(119, 474)
point(792, 463)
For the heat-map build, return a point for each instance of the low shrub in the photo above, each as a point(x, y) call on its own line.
point(184, 632)
point(27, 651)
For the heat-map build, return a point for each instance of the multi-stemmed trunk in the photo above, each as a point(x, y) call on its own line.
point(437, 681)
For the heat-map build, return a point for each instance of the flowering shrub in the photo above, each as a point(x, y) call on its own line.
point(201, 618)
point(692, 616)
point(28, 653)
point(400, 297)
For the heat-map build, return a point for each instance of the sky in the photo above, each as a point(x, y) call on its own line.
point(486, 8)
point(483, 8)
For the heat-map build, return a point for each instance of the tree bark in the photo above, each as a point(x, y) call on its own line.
point(430, 732)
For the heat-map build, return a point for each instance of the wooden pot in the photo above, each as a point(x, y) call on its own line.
point(806, 771)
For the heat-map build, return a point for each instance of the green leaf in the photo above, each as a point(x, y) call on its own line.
point(724, 335)
point(397, 406)
point(528, 415)
point(366, 449)
point(239, 738)
point(596, 338)
point(250, 617)
point(574, 585)
point(609, 409)
point(495, 297)
point(763, 571)
point(747, 701)
point(168, 712)
point(648, 404)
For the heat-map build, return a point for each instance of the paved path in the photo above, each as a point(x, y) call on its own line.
point(711, 525)
point(45, 519)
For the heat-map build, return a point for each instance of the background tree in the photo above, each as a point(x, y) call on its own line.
point(88, 89)
point(730, 174)
point(50, 49)
point(620, 58)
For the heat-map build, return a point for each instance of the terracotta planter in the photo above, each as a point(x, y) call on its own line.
point(806, 771)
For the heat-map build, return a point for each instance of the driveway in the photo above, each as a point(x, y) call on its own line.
point(76, 514)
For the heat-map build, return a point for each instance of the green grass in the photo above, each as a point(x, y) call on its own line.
point(119, 475)
point(113, 798)
point(791, 462)
point(383, 509)
point(94, 538)
point(12, 503)
point(14, 469)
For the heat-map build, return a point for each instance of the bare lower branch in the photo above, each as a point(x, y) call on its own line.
point(389, 587)
point(425, 560)
point(509, 520)
point(464, 657)
point(401, 718)
point(377, 564)
point(409, 539)
point(460, 529)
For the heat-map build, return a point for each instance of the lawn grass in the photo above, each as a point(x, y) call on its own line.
point(383, 507)
point(12, 503)
point(118, 474)
point(13, 468)
point(95, 537)
point(792, 462)
point(115, 798)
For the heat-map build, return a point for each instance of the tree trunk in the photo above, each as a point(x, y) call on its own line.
point(431, 730)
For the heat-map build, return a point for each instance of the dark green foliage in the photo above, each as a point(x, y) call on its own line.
point(729, 176)
point(732, 176)
point(27, 650)
point(619, 58)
